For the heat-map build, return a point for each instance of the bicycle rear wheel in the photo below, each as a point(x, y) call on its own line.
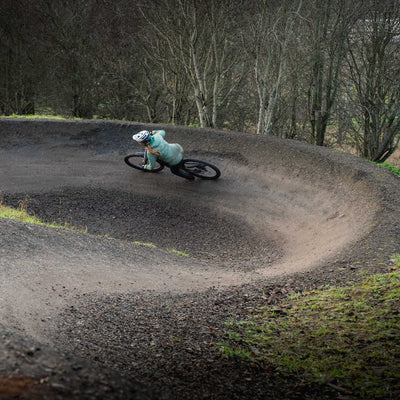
point(201, 169)
point(136, 160)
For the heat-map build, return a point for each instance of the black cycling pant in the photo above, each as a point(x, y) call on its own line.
point(178, 170)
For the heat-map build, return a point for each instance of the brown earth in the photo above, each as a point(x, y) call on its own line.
point(104, 314)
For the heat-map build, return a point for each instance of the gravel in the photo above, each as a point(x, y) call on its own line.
point(144, 343)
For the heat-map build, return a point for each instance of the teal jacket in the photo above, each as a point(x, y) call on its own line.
point(171, 153)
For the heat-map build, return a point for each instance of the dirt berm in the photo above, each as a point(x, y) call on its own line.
point(89, 314)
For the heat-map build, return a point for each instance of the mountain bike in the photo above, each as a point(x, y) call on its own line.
point(198, 168)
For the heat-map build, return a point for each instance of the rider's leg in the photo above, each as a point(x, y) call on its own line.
point(178, 170)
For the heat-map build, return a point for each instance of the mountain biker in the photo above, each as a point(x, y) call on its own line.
point(158, 147)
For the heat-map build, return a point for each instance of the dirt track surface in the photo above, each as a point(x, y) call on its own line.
point(99, 315)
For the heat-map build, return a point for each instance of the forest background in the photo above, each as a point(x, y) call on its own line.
point(322, 71)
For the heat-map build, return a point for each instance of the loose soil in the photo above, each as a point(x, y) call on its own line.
point(133, 308)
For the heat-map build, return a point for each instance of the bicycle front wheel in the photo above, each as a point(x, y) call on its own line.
point(201, 169)
point(136, 160)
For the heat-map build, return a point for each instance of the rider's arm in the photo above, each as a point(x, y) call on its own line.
point(151, 161)
point(159, 132)
point(152, 153)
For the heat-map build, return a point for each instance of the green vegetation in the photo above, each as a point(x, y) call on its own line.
point(40, 116)
point(392, 168)
point(346, 337)
point(145, 244)
point(21, 214)
point(180, 253)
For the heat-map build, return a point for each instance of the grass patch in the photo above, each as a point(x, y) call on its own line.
point(174, 251)
point(180, 253)
point(345, 337)
point(39, 116)
point(145, 244)
point(21, 214)
point(392, 168)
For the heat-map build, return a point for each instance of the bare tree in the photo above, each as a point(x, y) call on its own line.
point(268, 39)
point(277, 65)
point(18, 55)
point(197, 37)
point(330, 22)
point(374, 65)
point(74, 50)
point(291, 14)
point(263, 47)
point(166, 74)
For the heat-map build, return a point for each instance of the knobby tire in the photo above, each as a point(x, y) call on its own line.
point(201, 169)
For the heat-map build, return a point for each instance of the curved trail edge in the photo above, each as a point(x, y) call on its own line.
point(281, 209)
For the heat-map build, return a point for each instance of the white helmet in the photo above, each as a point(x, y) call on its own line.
point(142, 136)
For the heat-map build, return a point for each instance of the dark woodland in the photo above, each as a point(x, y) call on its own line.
point(325, 72)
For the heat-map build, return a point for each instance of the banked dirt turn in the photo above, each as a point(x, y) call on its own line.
point(280, 208)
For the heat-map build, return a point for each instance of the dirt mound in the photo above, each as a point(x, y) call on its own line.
point(280, 208)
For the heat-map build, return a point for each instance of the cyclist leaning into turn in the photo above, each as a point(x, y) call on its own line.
point(158, 147)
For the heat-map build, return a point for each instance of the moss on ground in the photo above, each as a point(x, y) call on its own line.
point(347, 337)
